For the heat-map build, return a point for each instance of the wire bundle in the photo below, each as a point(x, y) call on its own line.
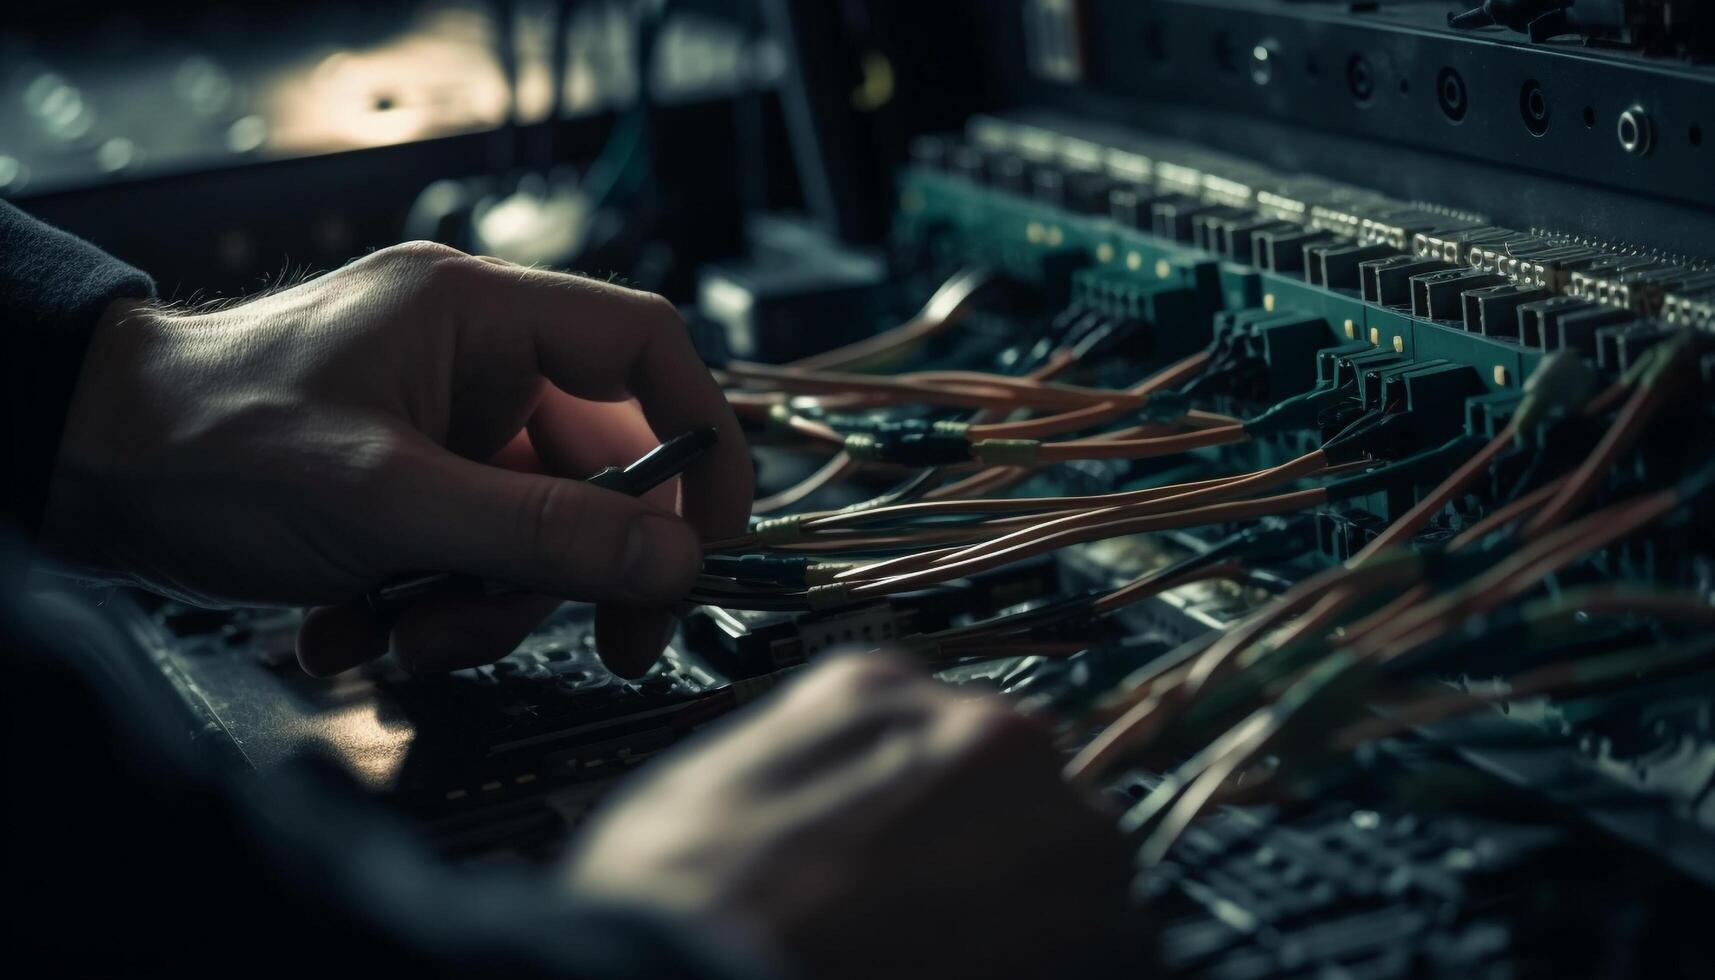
point(1291, 687)
point(1341, 657)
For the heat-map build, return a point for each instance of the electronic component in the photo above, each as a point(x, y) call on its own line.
point(775, 308)
point(1302, 406)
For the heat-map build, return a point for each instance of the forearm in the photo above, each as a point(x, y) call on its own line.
point(54, 288)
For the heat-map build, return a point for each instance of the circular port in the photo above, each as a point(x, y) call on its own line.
point(1361, 78)
point(1263, 57)
point(1533, 108)
point(1633, 129)
point(1450, 92)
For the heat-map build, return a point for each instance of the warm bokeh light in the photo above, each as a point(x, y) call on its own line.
point(438, 80)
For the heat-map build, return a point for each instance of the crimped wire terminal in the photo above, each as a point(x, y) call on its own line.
point(830, 596)
point(779, 530)
point(780, 418)
point(1006, 452)
point(822, 573)
point(1561, 381)
point(773, 569)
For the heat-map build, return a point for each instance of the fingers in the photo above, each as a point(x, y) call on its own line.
point(518, 454)
point(572, 435)
point(630, 639)
point(604, 342)
point(548, 535)
point(428, 638)
point(332, 639)
point(509, 521)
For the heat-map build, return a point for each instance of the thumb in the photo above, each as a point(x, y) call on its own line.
point(550, 535)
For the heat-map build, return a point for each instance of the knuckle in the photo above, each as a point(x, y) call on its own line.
point(431, 266)
point(661, 312)
point(421, 252)
point(657, 315)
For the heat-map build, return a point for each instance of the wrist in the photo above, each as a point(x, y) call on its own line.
point(84, 496)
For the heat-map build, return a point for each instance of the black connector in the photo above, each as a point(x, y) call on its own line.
point(1298, 412)
point(1237, 373)
point(649, 471)
point(1164, 407)
point(847, 424)
point(657, 466)
point(1383, 435)
point(911, 448)
point(1108, 336)
point(762, 569)
point(1424, 467)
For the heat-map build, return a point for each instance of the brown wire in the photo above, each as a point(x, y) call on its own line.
point(1183, 497)
point(990, 480)
point(1055, 452)
point(949, 305)
point(1414, 519)
point(950, 388)
point(1146, 586)
point(1261, 479)
point(837, 468)
point(1214, 514)
point(1132, 504)
point(1628, 426)
point(1093, 415)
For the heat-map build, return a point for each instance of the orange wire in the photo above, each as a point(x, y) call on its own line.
point(1621, 436)
point(1084, 418)
point(1054, 452)
point(945, 308)
point(1144, 586)
point(1414, 519)
point(1214, 514)
point(1133, 504)
point(837, 468)
point(1302, 466)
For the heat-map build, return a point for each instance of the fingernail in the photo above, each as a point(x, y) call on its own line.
point(661, 557)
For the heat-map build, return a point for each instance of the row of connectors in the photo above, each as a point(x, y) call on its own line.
point(1303, 224)
point(1624, 278)
point(1118, 216)
point(1693, 307)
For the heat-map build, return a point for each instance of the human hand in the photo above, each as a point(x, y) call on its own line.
point(308, 445)
point(869, 822)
